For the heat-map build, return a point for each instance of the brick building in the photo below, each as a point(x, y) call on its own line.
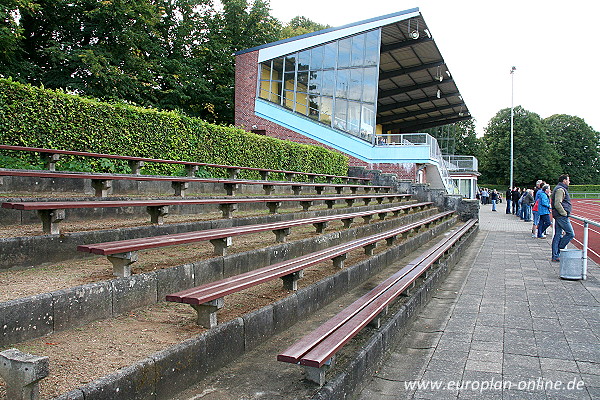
point(362, 89)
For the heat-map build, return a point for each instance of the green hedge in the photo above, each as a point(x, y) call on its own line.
point(37, 117)
point(584, 188)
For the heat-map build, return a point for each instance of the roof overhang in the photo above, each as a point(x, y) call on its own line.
point(416, 89)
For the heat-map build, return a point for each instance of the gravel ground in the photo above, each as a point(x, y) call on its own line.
point(81, 355)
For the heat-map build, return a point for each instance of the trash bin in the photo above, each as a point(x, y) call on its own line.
point(571, 264)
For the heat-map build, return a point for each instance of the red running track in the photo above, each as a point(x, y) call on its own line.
point(588, 209)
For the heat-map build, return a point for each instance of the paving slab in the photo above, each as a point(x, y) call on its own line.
point(508, 328)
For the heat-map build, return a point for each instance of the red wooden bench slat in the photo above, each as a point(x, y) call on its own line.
point(74, 175)
point(215, 290)
point(51, 205)
point(158, 160)
point(218, 289)
point(317, 347)
point(126, 245)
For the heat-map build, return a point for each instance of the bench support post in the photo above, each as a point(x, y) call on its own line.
point(207, 312)
point(391, 240)
point(135, 166)
point(297, 189)
point(367, 200)
point(338, 262)
point(368, 189)
point(367, 218)
point(319, 189)
point(339, 189)
point(180, 188)
point(330, 203)
point(311, 178)
point(350, 202)
point(268, 189)
point(408, 291)
point(22, 373)
point(233, 172)
point(102, 187)
point(273, 206)
point(317, 375)
point(190, 170)
point(290, 176)
point(281, 234)
point(306, 205)
point(230, 188)
point(353, 189)
point(320, 226)
point(380, 200)
point(290, 281)
point(157, 213)
point(264, 175)
point(50, 220)
point(50, 160)
point(370, 248)
point(347, 222)
point(122, 263)
point(228, 209)
point(221, 245)
point(376, 322)
point(382, 215)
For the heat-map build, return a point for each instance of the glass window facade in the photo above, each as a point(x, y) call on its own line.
point(334, 84)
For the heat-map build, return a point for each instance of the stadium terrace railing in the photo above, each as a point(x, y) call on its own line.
point(415, 139)
point(586, 226)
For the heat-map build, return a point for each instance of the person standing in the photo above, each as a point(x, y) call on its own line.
point(561, 211)
point(508, 200)
point(494, 198)
point(484, 196)
point(534, 209)
point(515, 195)
point(544, 211)
point(527, 204)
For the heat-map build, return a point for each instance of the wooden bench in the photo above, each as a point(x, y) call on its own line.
point(51, 157)
point(103, 182)
point(53, 212)
point(316, 350)
point(208, 298)
point(123, 253)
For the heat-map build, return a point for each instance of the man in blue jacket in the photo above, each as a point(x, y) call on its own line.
point(561, 210)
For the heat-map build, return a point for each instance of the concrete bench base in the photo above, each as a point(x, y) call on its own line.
point(22, 373)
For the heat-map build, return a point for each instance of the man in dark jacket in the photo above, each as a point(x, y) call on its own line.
point(508, 197)
point(561, 210)
point(515, 196)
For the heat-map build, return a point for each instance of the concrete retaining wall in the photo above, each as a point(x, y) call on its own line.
point(180, 366)
point(352, 376)
point(35, 316)
point(26, 252)
point(14, 217)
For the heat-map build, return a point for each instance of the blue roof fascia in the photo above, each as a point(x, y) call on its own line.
point(307, 35)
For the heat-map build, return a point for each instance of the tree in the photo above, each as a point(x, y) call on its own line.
point(300, 26)
point(239, 26)
point(457, 139)
point(577, 145)
point(534, 157)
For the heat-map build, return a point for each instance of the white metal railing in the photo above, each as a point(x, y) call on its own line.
point(461, 163)
point(586, 226)
point(581, 195)
point(415, 139)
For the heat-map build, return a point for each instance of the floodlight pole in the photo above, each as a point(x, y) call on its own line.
point(512, 95)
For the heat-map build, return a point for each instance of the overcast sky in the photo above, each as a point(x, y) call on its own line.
point(553, 44)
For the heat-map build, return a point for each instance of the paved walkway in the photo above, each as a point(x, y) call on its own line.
point(504, 326)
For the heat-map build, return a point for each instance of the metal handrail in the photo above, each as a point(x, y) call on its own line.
point(421, 139)
point(586, 224)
